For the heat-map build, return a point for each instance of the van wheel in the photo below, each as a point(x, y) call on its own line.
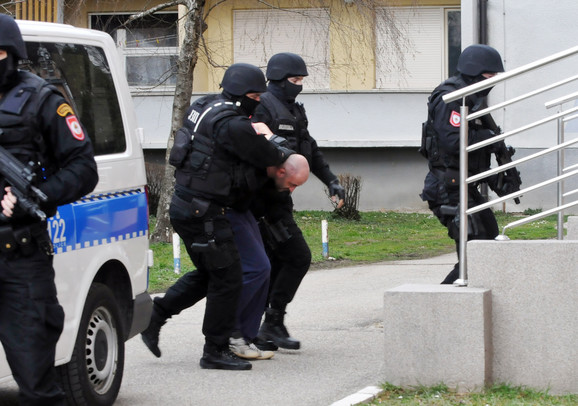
point(94, 373)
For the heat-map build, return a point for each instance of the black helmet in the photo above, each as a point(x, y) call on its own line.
point(243, 78)
point(478, 59)
point(285, 65)
point(11, 38)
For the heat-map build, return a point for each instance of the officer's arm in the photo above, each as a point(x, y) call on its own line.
point(75, 173)
point(238, 137)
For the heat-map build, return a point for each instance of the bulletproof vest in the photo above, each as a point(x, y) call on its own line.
point(201, 166)
point(292, 127)
point(430, 146)
point(19, 108)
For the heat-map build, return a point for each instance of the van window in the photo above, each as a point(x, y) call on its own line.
point(82, 75)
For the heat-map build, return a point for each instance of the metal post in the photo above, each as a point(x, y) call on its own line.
point(560, 189)
point(463, 278)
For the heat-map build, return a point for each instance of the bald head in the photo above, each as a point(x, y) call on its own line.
point(292, 173)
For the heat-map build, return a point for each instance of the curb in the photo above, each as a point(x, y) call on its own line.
point(366, 394)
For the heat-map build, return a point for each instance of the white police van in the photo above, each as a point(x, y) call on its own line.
point(101, 245)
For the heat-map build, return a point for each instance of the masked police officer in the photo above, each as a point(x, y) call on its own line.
point(290, 256)
point(442, 144)
point(37, 126)
point(217, 154)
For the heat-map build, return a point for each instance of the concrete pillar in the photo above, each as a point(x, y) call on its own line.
point(534, 287)
point(437, 334)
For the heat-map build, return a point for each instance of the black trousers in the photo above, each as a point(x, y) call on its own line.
point(31, 320)
point(218, 276)
point(481, 225)
point(290, 260)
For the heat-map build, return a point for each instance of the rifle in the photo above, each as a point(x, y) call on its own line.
point(503, 155)
point(21, 178)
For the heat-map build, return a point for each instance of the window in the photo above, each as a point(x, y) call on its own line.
point(259, 34)
point(149, 45)
point(419, 50)
point(82, 75)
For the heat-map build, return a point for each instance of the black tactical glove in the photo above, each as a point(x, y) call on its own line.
point(335, 189)
point(279, 141)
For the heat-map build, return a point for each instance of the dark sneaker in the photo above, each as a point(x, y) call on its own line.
point(224, 359)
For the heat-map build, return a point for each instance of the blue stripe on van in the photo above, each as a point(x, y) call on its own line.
point(99, 220)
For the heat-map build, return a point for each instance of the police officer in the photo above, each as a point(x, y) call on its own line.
point(289, 254)
point(37, 126)
point(442, 132)
point(216, 154)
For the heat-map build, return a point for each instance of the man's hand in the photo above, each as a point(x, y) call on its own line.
point(263, 129)
point(336, 192)
point(8, 203)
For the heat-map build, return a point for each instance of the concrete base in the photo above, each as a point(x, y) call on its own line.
point(571, 228)
point(534, 287)
point(437, 334)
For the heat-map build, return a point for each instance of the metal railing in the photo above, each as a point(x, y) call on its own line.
point(561, 117)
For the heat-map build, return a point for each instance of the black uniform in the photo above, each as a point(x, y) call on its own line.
point(441, 186)
point(287, 249)
point(213, 173)
point(37, 126)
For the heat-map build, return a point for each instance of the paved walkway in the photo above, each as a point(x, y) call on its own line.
point(337, 314)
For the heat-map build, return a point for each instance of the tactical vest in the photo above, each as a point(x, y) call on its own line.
point(431, 149)
point(200, 166)
point(288, 126)
point(19, 109)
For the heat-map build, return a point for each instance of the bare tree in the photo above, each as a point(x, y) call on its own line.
point(194, 24)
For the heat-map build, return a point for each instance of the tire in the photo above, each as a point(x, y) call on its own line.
point(94, 373)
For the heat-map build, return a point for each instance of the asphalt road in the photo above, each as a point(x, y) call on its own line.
point(337, 315)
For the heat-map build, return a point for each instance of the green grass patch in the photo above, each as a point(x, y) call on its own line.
point(378, 236)
point(497, 395)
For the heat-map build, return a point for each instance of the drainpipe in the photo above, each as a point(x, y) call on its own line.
point(483, 21)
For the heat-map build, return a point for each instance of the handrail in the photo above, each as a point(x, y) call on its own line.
point(464, 180)
point(520, 192)
point(536, 216)
point(512, 164)
point(501, 77)
point(505, 135)
point(498, 106)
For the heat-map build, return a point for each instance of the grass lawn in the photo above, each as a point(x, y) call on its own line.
point(378, 236)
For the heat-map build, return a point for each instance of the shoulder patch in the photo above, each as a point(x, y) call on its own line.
point(455, 119)
point(75, 127)
point(64, 109)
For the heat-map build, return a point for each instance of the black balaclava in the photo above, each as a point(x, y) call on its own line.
point(246, 104)
point(284, 90)
point(8, 73)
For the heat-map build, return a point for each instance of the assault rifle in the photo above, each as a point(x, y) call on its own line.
point(21, 178)
point(503, 156)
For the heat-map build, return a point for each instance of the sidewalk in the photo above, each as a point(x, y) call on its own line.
point(337, 315)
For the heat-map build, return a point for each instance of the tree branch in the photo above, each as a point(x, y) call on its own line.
point(153, 10)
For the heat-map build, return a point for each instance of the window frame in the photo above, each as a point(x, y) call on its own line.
point(127, 52)
point(442, 28)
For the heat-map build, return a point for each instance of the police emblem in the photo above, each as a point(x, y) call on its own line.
point(455, 119)
point(75, 127)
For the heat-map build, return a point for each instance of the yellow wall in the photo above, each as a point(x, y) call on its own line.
point(352, 40)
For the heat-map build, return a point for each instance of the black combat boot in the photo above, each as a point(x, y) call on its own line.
point(151, 335)
point(222, 358)
point(274, 330)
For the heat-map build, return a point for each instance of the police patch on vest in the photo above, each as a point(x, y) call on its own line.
point(286, 127)
point(64, 109)
point(455, 119)
point(75, 127)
